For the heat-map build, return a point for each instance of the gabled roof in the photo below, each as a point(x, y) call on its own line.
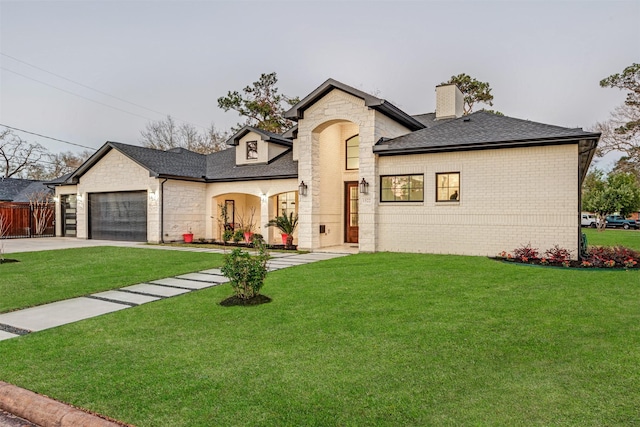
point(378, 104)
point(480, 130)
point(179, 163)
point(266, 136)
point(221, 166)
point(19, 190)
point(172, 163)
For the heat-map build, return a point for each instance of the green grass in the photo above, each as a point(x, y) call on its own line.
point(371, 339)
point(42, 277)
point(610, 237)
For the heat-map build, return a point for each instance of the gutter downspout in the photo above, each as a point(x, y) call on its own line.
point(162, 210)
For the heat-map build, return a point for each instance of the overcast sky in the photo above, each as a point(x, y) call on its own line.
point(543, 59)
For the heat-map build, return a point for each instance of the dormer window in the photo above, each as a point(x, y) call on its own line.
point(252, 150)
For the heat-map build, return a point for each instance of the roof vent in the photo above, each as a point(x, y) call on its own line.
point(466, 119)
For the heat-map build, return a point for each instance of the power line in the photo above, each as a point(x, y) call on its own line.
point(48, 137)
point(75, 94)
point(95, 90)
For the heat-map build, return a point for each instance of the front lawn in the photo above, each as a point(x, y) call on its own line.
point(610, 237)
point(370, 339)
point(47, 276)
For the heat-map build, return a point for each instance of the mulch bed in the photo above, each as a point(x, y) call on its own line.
point(571, 264)
point(234, 300)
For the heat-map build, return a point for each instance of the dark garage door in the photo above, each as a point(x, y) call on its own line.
point(118, 216)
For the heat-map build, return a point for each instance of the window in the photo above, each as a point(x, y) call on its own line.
point(252, 150)
point(286, 203)
point(448, 187)
point(402, 188)
point(353, 152)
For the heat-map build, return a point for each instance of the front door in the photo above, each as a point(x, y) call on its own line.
point(68, 204)
point(351, 212)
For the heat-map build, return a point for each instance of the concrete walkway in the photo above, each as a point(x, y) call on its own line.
point(22, 322)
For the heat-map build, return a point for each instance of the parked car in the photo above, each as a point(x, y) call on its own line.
point(614, 221)
point(588, 220)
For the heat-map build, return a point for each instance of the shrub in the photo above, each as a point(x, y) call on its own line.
point(602, 256)
point(227, 235)
point(245, 272)
point(237, 235)
point(558, 254)
point(526, 253)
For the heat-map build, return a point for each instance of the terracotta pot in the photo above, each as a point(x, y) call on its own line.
point(247, 237)
point(188, 237)
point(284, 238)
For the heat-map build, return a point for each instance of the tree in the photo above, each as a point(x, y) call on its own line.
point(473, 91)
point(17, 154)
point(167, 134)
point(56, 165)
point(261, 104)
point(622, 131)
point(618, 192)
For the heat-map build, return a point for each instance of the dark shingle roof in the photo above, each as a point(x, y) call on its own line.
point(378, 104)
point(478, 130)
point(18, 190)
point(221, 166)
point(266, 136)
point(180, 163)
point(175, 162)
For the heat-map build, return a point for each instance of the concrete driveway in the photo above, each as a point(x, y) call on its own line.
point(50, 243)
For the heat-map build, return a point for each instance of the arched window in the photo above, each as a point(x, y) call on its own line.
point(353, 152)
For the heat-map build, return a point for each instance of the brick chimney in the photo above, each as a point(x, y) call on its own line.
point(449, 101)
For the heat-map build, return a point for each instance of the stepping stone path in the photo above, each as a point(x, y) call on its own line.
point(22, 322)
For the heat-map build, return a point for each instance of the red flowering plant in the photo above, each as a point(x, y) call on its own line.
point(526, 253)
point(596, 257)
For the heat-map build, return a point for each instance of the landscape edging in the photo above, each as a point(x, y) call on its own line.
point(45, 411)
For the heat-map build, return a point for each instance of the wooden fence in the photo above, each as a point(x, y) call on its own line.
point(22, 221)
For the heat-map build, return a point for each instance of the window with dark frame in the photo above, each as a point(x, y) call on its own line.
point(448, 187)
point(402, 188)
point(252, 150)
point(353, 153)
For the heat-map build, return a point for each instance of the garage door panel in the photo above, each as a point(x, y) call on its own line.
point(118, 216)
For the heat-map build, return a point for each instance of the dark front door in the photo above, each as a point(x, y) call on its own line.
point(68, 204)
point(351, 212)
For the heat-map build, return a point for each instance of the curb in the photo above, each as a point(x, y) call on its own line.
point(45, 411)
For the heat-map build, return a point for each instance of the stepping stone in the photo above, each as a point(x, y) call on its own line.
point(6, 335)
point(59, 313)
point(126, 297)
point(156, 290)
point(182, 283)
point(213, 271)
point(211, 278)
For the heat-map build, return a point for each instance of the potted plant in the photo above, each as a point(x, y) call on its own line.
point(287, 225)
point(247, 224)
point(188, 236)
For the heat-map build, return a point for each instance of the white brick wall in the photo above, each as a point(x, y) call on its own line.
point(114, 173)
point(508, 198)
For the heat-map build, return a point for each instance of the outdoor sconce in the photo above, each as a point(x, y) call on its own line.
point(364, 186)
point(302, 188)
point(263, 198)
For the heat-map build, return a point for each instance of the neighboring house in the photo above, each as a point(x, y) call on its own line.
point(20, 190)
point(357, 170)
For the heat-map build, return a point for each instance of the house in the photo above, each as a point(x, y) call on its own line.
point(20, 190)
point(358, 171)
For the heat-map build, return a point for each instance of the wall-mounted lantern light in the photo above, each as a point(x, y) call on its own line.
point(302, 189)
point(263, 198)
point(364, 186)
point(153, 196)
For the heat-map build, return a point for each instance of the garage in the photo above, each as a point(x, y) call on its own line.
point(118, 216)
